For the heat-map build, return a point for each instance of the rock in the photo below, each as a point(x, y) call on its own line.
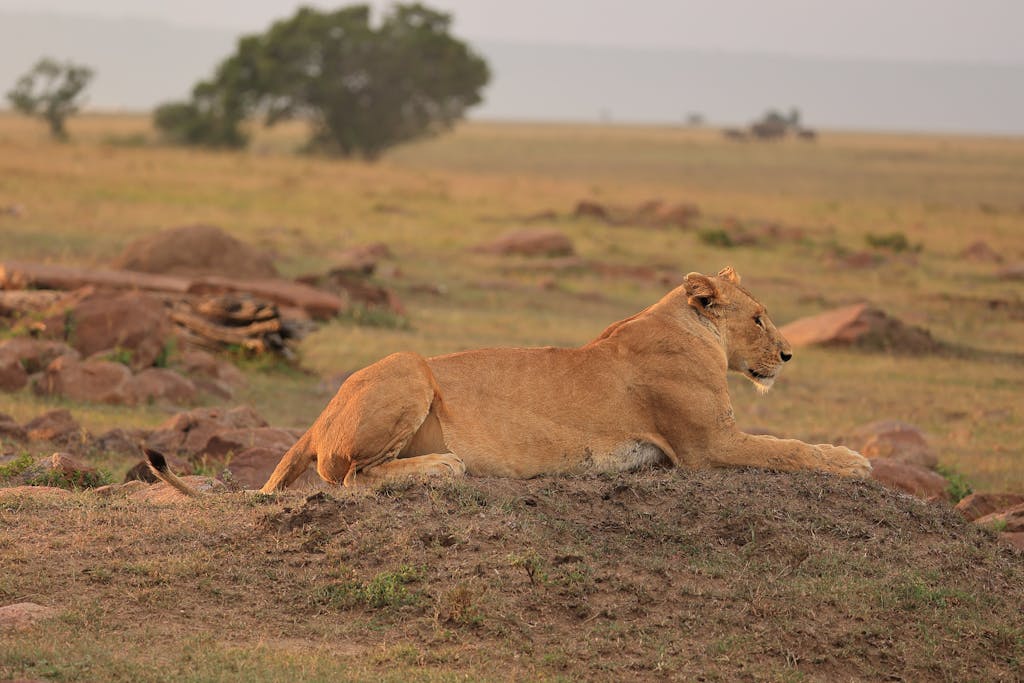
point(132, 323)
point(237, 440)
point(252, 467)
point(1013, 272)
point(529, 242)
point(859, 325)
point(161, 385)
point(981, 252)
point(67, 468)
point(141, 471)
point(977, 505)
point(10, 429)
point(56, 426)
point(97, 381)
point(361, 259)
point(22, 615)
point(1015, 539)
point(36, 354)
point(682, 215)
point(195, 250)
point(587, 208)
point(12, 374)
point(200, 363)
point(358, 289)
point(120, 490)
point(1008, 521)
point(911, 479)
point(188, 433)
point(891, 439)
point(162, 493)
point(121, 441)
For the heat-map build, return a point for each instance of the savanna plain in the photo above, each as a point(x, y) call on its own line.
point(723, 575)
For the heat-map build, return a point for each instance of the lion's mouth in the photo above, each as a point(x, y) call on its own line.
point(760, 375)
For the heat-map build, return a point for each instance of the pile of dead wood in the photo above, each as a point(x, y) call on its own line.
point(258, 316)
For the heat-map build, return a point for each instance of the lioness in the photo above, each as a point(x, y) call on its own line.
point(651, 390)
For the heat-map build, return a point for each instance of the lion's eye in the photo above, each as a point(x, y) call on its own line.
point(759, 322)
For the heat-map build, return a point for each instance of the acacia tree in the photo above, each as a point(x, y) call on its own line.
point(51, 91)
point(363, 88)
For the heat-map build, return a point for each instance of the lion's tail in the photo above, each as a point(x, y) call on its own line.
point(158, 465)
point(295, 461)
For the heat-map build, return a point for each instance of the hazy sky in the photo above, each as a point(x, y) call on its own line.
point(930, 30)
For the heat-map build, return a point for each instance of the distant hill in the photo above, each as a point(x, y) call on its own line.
point(140, 63)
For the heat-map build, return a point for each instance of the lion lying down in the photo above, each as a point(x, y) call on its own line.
point(651, 390)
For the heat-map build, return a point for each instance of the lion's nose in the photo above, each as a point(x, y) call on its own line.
point(785, 356)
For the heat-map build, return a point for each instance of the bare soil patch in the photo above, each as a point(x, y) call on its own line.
point(710, 575)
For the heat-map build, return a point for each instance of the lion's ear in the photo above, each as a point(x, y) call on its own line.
point(703, 293)
point(729, 274)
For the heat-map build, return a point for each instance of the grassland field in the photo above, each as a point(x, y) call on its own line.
point(430, 201)
point(711, 575)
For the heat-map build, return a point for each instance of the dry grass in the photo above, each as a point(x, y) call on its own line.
point(724, 575)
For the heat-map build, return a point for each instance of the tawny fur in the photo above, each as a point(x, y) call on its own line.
point(651, 389)
point(158, 466)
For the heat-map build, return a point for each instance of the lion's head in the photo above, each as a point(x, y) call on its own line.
point(753, 345)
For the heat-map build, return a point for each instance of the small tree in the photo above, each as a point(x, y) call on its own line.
point(51, 91)
point(363, 88)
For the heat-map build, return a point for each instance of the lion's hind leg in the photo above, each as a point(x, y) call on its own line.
point(431, 465)
point(374, 417)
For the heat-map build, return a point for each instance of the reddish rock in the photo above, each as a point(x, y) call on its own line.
point(252, 467)
point(859, 325)
point(1015, 539)
point(121, 441)
point(1013, 272)
point(977, 505)
point(360, 290)
point(10, 429)
point(237, 440)
point(161, 385)
point(98, 381)
point(529, 242)
point(22, 615)
point(132, 322)
point(12, 374)
point(204, 364)
point(892, 439)
point(188, 433)
point(1009, 521)
point(56, 426)
point(68, 467)
point(911, 479)
point(361, 259)
point(587, 208)
point(981, 252)
point(163, 494)
point(195, 250)
point(675, 215)
point(36, 354)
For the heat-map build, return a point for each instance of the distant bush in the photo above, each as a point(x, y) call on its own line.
point(893, 241)
point(716, 237)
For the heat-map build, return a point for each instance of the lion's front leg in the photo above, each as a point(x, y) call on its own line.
point(746, 450)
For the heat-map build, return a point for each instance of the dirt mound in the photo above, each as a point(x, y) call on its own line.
point(862, 326)
point(195, 250)
point(728, 575)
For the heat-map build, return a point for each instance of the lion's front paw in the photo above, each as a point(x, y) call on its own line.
point(844, 462)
